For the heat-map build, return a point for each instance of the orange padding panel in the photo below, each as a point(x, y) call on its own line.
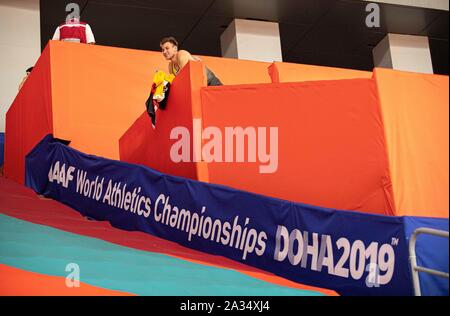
point(331, 149)
point(142, 144)
point(235, 71)
point(287, 72)
point(98, 92)
point(18, 282)
point(415, 114)
point(28, 118)
point(91, 95)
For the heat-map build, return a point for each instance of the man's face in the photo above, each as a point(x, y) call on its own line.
point(168, 50)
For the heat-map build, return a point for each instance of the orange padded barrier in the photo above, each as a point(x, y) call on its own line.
point(332, 147)
point(331, 150)
point(91, 95)
point(287, 72)
point(234, 71)
point(415, 114)
point(28, 118)
point(98, 92)
point(87, 94)
point(142, 144)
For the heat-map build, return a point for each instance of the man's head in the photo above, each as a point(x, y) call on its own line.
point(169, 47)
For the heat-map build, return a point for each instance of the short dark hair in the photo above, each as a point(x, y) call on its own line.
point(29, 69)
point(169, 39)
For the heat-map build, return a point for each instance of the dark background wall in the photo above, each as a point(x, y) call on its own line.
point(320, 32)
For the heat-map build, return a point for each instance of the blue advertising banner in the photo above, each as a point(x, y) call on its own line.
point(351, 253)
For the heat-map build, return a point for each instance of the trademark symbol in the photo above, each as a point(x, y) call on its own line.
point(394, 242)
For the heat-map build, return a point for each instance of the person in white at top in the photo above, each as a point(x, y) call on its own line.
point(73, 30)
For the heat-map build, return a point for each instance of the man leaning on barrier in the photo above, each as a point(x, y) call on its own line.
point(179, 58)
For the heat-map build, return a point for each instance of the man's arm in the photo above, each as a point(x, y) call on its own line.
point(183, 58)
point(56, 36)
point(89, 35)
